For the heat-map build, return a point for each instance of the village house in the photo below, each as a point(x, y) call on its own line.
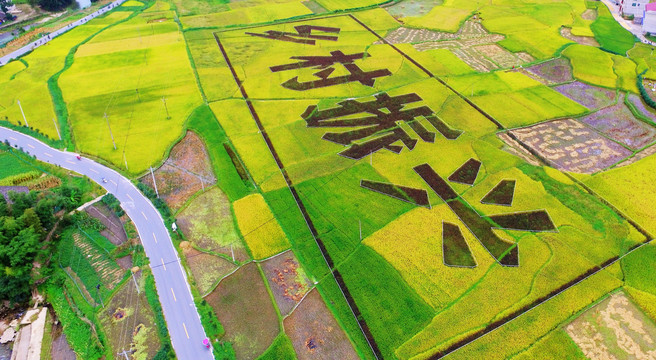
point(633, 8)
point(649, 19)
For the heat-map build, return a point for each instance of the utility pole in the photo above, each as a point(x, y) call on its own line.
point(56, 128)
point(154, 181)
point(110, 131)
point(21, 109)
point(233, 253)
point(135, 280)
point(166, 107)
point(124, 353)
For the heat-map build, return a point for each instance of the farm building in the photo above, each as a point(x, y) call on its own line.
point(649, 19)
point(633, 8)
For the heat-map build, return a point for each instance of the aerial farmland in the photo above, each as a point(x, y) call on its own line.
point(329, 179)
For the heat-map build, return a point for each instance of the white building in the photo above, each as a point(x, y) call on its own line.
point(635, 8)
point(649, 19)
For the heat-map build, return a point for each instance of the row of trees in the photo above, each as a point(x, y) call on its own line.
point(28, 229)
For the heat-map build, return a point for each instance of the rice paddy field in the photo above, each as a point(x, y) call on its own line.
point(391, 180)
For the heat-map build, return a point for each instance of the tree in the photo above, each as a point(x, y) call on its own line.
point(4, 207)
point(22, 202)
point(54, 5)
point(30, 220)
point(44, 210)
point(23, 248)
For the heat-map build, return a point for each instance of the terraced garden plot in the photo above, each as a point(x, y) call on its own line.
point(614, 328)
point(129, 322)
point(207, 269)
point(583, 40)
point(589, 96)
point(556, 71)
point(114, 231)
point(618, 123)
point(287, 280)
point(207, 222)
point(244, 308)
point(314, 332)
point(108, 271)
point(572, 146)
point(186, 171)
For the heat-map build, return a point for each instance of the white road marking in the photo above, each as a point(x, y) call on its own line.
point(46, 154)
point(94, 170)
point(30, 146)
point(130, 197)
point(113, 182)
point(70, 162)
point(144, 215)
point(174, 299)
point(155, 237)
point(13, 138)
point(185, 327)
point(163, 264)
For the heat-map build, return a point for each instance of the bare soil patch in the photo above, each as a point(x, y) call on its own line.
point(583, 40)
point(555, 71)
point(114, 231)
point(287, 280)
point(129, 322)
point(614, 329)
point(619, 123)
point(589, 14)
point(206, 269)
point(60, 349)
point(125, 262)
point(244, 308)
point(207, 222)
point(572, 146)
point(314, 332)
point(589, 96)
point(187, 170)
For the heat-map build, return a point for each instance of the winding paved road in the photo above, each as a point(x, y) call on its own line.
point(181, 315)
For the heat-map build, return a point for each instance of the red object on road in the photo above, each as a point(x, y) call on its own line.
point(78, 157)
point(206, 342)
